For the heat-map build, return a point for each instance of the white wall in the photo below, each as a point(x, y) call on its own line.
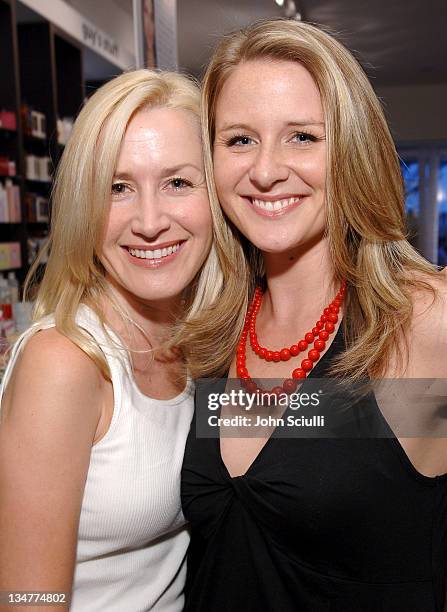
point(416, 112)
point(109, 17)
point(105, 31)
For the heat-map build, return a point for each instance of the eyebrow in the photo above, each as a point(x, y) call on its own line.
point(243, 126)
point(125, 174)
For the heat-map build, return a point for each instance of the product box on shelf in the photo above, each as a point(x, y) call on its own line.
point(39, 127)
point(10, 257)
point(44, 168)
point(10, 211)
point(8, 120)
point(38, 168)
point(36, 208)
point(7, 166)
point(34, 122)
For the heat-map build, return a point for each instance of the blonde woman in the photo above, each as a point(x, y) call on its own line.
point(319, 281)
point(95, 412)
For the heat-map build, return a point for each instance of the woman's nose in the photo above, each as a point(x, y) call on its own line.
point(268, 168)
point(151, 217)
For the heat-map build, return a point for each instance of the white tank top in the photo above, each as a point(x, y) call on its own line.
point(132, 538)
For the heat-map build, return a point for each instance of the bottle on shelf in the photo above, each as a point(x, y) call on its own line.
point(13, 285)
point(5, 296)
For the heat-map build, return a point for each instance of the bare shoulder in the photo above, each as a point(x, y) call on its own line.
point(428, 329)
point(430, 305)
point(49, 416)
point(50, 348)
point(51, 368)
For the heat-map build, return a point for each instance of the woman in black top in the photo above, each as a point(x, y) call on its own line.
point(320, 281)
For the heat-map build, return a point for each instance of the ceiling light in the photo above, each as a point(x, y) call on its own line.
point(280, 2)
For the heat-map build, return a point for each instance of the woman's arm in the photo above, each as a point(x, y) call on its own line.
point(414, 404)
point(49, 416)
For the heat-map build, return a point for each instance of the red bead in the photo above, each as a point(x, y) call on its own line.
point(285, 354)
point(289, 385)
point(314, 355)
point(318, 336)
point(307, 365)
point(251, 386)
point(299, 373)
point(242, 371)
point(320, 345)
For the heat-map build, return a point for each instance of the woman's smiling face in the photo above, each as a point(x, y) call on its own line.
point(158, 231)
point(270, 154)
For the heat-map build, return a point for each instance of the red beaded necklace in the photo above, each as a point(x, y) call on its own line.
point(324, 327)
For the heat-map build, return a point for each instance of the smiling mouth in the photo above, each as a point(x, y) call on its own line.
point(154, 253)
point(273, 208)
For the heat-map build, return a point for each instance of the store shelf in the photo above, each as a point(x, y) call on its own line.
point(42, 68)
point(38, 181)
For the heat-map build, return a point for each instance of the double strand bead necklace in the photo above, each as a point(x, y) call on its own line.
point(318, 336)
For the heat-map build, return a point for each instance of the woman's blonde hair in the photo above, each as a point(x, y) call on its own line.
point(365, 205)
point(81, 199)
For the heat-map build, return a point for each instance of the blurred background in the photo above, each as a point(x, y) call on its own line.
point(55, 53)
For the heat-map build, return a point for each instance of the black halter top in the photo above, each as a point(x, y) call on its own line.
point(314, 525)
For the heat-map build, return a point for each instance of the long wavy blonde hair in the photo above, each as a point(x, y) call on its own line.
point(365, 206)
point(81, 199)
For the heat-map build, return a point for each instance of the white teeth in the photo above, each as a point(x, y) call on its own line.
point(276, 205)
point(155, 254)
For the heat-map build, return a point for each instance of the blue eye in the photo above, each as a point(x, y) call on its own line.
point(304, 137)
point(239, 140)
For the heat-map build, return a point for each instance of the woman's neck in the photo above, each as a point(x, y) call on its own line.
point(140, 323)
point(299, 283)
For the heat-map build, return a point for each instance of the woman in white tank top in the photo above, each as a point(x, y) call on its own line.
point(94, 409)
